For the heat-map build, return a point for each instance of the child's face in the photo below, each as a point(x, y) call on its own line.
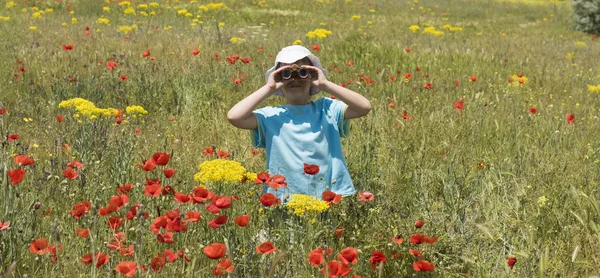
point(296, 88)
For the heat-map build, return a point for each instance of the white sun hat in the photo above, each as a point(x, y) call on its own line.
point(292, 54)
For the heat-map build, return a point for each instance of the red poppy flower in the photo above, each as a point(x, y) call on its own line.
point(69, 173)
point(146, 53)
point(423, 265)
point(419, 238)
point(276, 182)
point(157, 263)
point(182, 198)
point(192, 216)
point(165, 238)
point(336, 269)
point(60, 119)
point(268, 199)
point(459, 104)
point(13, 137)
point(153, 190)
point(212, 209)
point(262, 177)
point(533, 110)
point(223, 154)
point(315, 257)
point(3, 110)
point(245, 60)
point(266, 248)
point(511, 261)
point(570, 118)
point(169, 172)
point(4, 226)
point(39, 246)
point(330, 197)
point(67, 47)
point(415, 253)
point(224, 266)
point(456, 83)
point(107, 210)
point(209, 151)
point(80, 209)
point(195, 52)
point(222, 202)
point(161, 158)
point(115, 222)
point(428, 86)
point(397, 240)
point(16, 175)
point(101, 259)
point(407, 50)
point(419, 223)
point(366, 196)
point(311, 169)
point(242, 220)
point(82, 232)
point(127, 251)
point(111, 65)
point(376, 258)
point(215, 250)
point(170, 255)
point(218, 222)
point(119, 200)
point(125, 188)
point(348, 255)
point(201, 194)
point(339, 232)
point(75, 164)
point(406, 116)
point(129, 268)
point(473, 78)
point(408, 75)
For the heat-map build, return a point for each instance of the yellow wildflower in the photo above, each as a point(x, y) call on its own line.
point(414, 28)
point(129, 10)
point(237, 40)
point(32, 28)
point(318, 33)
point(37, 15)
point(301, 204)
point(136, 110)
point(220, 170)
point(106, 9)
point(73, 20)
point(594, 89)
point(10, 4)
point(355, 17)
point(580, 43)
point(297, 42)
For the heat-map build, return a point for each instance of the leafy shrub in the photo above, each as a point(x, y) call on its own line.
point(587, 15)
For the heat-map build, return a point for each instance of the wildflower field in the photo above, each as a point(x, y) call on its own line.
point(479, 158)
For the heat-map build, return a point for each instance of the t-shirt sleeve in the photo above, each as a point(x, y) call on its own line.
point(258, 134)
point(338, 109)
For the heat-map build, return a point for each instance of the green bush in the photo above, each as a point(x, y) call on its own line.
point(587, 15)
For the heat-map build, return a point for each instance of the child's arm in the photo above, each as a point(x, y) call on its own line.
point(241, 116)
point(358, 105)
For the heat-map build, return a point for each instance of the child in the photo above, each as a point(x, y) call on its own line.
point(302, 131)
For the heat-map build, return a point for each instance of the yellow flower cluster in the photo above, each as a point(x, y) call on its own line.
point(136, 110)
point(432, 31)
point(212, 7)
point(10, 4)
point(297, 42)
point(414, 28)
point(129, 10)
point(126, 29)
point(355, 17)
point(452, 29)
point(103, 21)
point(237, 40)
point(318, 33)
point(4, 18)
point(517, 81)
point(217, 170)
point(87, 108)
point(594, 89)
point(301, 204)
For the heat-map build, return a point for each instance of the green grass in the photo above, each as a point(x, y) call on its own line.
point(478, 177)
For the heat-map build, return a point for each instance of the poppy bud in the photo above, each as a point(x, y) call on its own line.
point(419, 223)
point(37, 205)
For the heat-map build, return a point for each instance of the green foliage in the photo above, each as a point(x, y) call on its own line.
point(587, 15)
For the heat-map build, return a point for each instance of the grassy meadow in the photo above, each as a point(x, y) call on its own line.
point(484, 125)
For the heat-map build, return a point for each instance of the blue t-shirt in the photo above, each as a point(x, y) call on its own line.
point(298, 134)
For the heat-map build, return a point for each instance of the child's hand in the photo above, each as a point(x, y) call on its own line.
point(317, 76)
point(275, 82)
